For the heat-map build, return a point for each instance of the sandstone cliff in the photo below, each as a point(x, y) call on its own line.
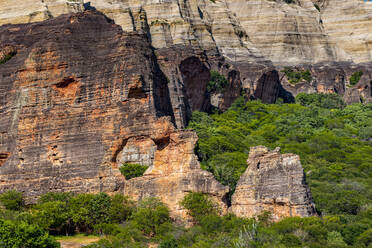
point(81, 95)
point(250, 36)
point(305, 31)
point(272, 182)
point(77, 97)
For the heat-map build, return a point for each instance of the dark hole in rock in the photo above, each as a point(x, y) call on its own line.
point(258, 165)
point(3, 158)
point(136, 93)
point(65, 82)
point(162, 143)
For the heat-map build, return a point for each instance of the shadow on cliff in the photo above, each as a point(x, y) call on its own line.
point(88, 6)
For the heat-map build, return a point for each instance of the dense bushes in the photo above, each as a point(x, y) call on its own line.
point(148, 221)
point(7, 57)
point(328, 101)
point(11, 200)
point(199, 205)
point(333, 141)
point(130, 171)
point(23, 235)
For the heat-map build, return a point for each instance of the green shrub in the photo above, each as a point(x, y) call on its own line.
point(365, 238)
point(25, 236)
point(329, 101)
point(294, 76)
point(55, 196)
point(121, 208)
point(130, 171)
point(217, 83)
point(150, 215)
point(12, 200)
point(169, 243)
point(199, 205)
point(355, 77)
point(99, 208)
point(53, 216)
point(7, 58)
point(317, 7)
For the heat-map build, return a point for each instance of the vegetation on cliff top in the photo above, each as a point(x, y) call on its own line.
point(295, 76)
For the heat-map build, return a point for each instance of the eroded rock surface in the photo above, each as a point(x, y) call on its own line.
point(235, 37)
point(176, 171)
point(305, 31)
point(272, 182)
point(79, 98)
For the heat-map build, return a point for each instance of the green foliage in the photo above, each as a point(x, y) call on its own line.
point(169, 243)
point(151, 216)
point(54, 196)
point(294, 76)
point(329, 101)
point(150, 223)
point(7, 58)
point(14, 235)
point(121, 209)
point(317, 7)
point(12, 200)
point(332, 139)
point(52, 216)
point(217, 83)
point(130, 171)
point(355, 77)
point(199, 205)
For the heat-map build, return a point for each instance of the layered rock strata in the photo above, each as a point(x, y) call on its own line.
point(80, 97)
point(250, 36)
point(304, 31)
point(333, 77)
point(272, 182)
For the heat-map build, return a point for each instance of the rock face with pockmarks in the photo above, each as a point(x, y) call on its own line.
point(273, 182)
point(79, 97)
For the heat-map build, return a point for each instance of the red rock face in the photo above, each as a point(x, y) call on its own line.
point(76, 90)
point(79, 99)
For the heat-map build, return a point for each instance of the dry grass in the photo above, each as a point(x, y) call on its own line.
point(76, 241)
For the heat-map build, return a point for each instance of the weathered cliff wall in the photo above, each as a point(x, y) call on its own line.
point(80, 96)
point(305, 31)
point(250, 36)
point(76, 98)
